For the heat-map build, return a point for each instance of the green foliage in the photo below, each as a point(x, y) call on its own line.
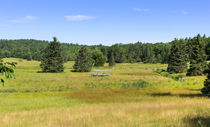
point(135, 52)
point(162, 51)
point(148, 54)
point(98, 58)
point(111, 58)
point(178, 58)
point(6, 69)
point(206, 89)
point(104, 50)
point(33, 49)
point(176, 77)
point(52, 60)
point(118, 53)
point(197, 57)
point(83, 61)
point(23, 48)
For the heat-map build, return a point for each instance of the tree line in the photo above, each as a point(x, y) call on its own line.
point(137, 52)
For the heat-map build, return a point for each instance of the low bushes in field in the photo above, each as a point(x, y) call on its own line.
point(32, 91)
point(14, 91)
point(176, 77)
point(139, 84)
point(8, 91)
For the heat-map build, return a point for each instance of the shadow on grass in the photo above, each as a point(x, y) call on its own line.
point(176, 95)
point(48, 72)
point(194, 89)
point(197, 121)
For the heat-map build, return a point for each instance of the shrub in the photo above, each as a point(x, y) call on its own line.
point(176, 77)
point(98, 58)
point(139, 84)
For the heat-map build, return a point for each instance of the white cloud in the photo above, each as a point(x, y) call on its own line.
point(79, 18)
point(141, 9)
point(27, 18)
point(30, 17)
point(185, 12)
point(181, 12)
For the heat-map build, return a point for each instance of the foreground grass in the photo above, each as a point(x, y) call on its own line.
point(105, 108)
point(79, 100)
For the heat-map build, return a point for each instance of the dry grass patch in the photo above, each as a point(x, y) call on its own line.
point(130, 114)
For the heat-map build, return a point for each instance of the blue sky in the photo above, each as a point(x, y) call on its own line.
point(104, 21)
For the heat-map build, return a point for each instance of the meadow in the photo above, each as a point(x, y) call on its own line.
point(134, 95)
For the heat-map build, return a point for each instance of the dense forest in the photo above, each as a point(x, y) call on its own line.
point(137, 52)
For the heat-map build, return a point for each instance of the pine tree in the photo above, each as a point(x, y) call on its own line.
point(178, 58)
point(52, 60)
point(149, 56)
point(197, 58)
point(206, 89)
point(111, 59)
point(83, 61)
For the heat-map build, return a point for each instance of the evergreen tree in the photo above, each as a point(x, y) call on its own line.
point(206, 89)
point(178, 58)
point(52, 60)
point(111, 59)
point(83, 61)
point(197, 58)
point(118, 52)
point(27, 54)
point(98, 58)
point(149, 56)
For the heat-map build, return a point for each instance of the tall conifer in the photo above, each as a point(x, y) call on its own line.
point(83, 61)
point(52, 60)
point(111, 59)
point(178, 57)
point(197, 58)
point(206, 89)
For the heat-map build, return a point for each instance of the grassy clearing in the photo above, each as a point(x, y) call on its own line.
point(27, 78)
point(133, 96)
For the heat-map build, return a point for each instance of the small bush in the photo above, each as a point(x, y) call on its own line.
point(176, 77)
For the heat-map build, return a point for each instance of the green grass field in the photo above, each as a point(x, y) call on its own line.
point(134, 95)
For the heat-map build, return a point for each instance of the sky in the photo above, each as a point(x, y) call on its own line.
point(104, 22)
